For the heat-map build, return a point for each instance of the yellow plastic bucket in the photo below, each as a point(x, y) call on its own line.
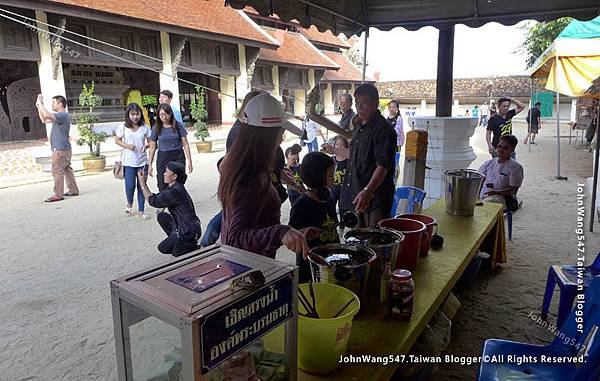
point(322, 341)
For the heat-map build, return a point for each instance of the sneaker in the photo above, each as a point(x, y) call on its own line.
point(54, 198)
point(144, 216)
point(127, 210)
point(532, 142)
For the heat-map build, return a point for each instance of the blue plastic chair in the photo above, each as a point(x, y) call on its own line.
point(569, 345)
point(566, 278)
point(414, 199)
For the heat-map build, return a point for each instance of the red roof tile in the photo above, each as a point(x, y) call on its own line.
point(312, 34)
point(323, 38)
point(348, 71)
point(295, 50)
point(206, 15)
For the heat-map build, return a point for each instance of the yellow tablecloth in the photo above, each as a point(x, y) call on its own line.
point(374, 333)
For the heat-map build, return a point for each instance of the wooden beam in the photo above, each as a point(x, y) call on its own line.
point(443, 104)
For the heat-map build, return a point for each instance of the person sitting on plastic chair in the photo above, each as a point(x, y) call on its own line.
point(503, 175)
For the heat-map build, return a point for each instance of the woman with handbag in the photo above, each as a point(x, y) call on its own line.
point(169, 138)
point(133, 136)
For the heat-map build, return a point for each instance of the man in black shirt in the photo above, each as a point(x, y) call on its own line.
point(501, 123)
point(533, 123)
point(368, 186)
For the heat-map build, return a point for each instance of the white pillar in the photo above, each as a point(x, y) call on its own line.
point(168, 76)
point(311, 79)
point(49, 86)
point(242, 85)
point(276, 92)
point(352, 89)
point(227, 101)
point(423, 107)
point(328, 100)
point(299, 102)
point(573, 109)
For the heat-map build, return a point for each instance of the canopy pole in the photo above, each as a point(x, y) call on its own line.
point(443, 87)
point(364, 71)
point(595, 185)
point(530, 108)
point(558, 176)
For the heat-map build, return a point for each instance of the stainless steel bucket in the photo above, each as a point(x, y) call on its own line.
point(342, 264)
point(462, 189)
point(385, 243)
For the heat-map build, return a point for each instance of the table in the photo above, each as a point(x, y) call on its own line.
point(373, 333)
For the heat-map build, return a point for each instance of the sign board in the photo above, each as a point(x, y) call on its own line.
point(230, 329)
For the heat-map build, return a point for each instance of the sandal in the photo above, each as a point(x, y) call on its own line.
point(127, 210)
point(71, 194)
point(54, 198)
point(144, 216)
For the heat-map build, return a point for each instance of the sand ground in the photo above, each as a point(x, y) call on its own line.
point(56, 261)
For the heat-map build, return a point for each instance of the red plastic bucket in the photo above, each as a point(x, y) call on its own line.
point(432, 228)
point(413, 231)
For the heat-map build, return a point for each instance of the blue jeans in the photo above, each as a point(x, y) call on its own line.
point(131, 181)
point(213, 230)
point(313, 146)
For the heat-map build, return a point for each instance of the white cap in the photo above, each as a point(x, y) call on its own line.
point(265, 111)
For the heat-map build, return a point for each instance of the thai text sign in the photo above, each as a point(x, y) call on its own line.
point(225, 332)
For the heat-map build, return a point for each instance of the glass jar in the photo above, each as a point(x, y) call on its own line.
point(401, 291)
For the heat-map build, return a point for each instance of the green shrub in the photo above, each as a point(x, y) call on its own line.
point(199, 114)
point(86, 121)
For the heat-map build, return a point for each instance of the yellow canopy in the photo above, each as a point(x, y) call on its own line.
point(570, 65)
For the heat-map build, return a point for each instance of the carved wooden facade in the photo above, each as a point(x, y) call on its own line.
point(293, 79)
point(139, 40)
point(205, 56)
point(18, 42)
point(262, 77)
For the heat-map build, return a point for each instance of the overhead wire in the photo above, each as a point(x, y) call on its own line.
point(65, 30)
point(111, 55)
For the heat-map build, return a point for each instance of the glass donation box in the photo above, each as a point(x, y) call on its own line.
point(217, 314)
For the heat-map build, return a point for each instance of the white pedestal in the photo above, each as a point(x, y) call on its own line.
point(448, 148)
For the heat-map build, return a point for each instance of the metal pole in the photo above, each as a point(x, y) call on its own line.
point(595, 185)
point(364, 73)
point(558, 176)
point(529, 124)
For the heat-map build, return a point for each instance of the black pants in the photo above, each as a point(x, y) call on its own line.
point(162, 159)
point(175, 244)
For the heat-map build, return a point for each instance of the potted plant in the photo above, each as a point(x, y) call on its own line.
point(93, 162)
point(199, 114)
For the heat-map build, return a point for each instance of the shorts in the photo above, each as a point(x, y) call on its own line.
point(533, 128)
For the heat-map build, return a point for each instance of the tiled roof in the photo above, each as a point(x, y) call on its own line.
point(206, 15)
point(516, 86)
point(313, 35)
point(348, 72)
point(295, 50)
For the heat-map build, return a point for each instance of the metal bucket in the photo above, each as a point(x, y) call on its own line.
point(385, 243)
point(342, 264)
point(462, 189)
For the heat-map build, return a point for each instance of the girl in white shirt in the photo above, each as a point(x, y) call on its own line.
point(133, 136)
